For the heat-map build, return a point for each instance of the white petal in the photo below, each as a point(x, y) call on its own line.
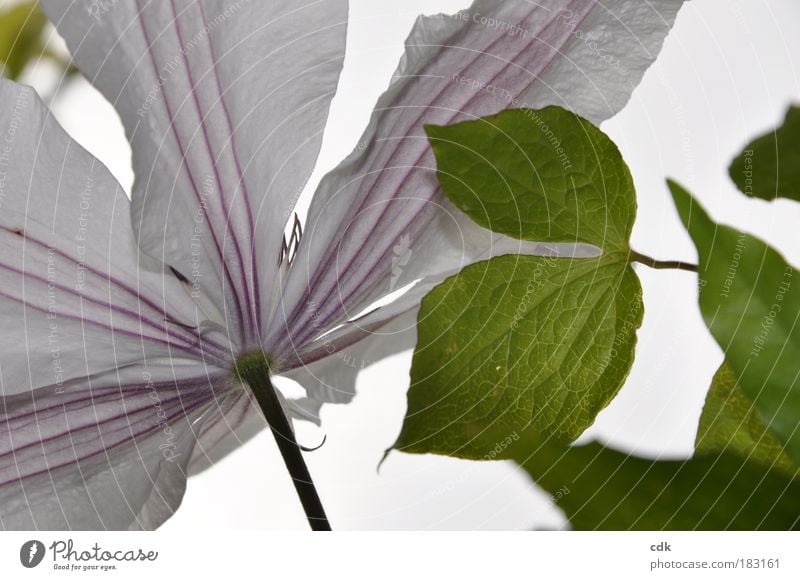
point(376, 214)
point(328, 370)
point(108, 452)
point(234, 421)
point(223, 103)
point(74, 298)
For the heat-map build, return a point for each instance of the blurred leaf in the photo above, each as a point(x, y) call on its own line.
point(751, 304)
point(730, 423)
point(599, 488)
point(769, 167)
point(543, 175)
point(21, 28)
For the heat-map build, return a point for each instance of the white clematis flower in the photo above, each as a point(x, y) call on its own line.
point(123, 321)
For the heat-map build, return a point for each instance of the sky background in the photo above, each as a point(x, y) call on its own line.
point(727, 73)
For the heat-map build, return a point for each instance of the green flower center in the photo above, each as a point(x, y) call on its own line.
point(253, 365)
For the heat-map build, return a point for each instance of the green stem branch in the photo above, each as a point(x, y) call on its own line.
point(256, 374)
point(662, 264)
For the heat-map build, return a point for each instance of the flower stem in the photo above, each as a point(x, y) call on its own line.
point(662, 264)
point(256, 374)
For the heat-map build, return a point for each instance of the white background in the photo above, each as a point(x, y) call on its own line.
point(727, 73)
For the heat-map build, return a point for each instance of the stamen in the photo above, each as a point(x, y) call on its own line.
point(179, 276)
point(289, 250)
point(169, 319)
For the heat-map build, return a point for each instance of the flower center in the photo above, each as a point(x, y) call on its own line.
point(252, 365)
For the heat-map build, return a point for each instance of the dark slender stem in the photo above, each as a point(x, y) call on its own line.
point(662, 264)
point(257, 377)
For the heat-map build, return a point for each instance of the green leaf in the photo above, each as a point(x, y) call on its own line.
point(599, 488)
point(769, 167)
point(543, 175)
point(750, 301)
point(730, 423)
point(21, 28)
point(524, 341)
point(614, 491)
point(518, 341)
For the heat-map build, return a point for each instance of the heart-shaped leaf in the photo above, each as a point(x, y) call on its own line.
point(523, 341)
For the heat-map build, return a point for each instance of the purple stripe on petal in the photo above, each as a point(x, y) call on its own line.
point(100, 279)
point(101, 325)
point(210, 201)
point(398, 173)
point(108, 309)
point(67, 430)
point(240, 177)
point(204, 111)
